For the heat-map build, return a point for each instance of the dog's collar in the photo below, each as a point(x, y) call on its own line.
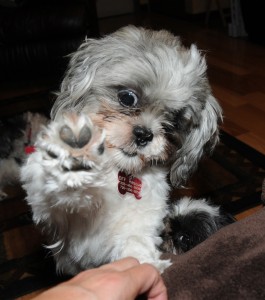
point(127, 183)
point(28, 147)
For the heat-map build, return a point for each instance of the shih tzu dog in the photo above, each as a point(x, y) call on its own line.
point(17, 137)
point(190, 222)
point(133, 107)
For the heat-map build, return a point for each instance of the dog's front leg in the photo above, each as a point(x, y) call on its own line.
point(145, 250)
point(65, 171)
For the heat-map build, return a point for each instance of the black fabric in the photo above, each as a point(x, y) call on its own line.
point(37, 58)
point(35, 38)
point(43, 22)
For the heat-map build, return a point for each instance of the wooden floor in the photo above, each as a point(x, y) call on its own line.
point(236, 71)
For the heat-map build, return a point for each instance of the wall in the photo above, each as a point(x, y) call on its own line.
point(107, 8)
point(200, 6)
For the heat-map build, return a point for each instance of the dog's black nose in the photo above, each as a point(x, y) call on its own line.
point(142, 135)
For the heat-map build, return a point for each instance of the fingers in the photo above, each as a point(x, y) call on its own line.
point(123, 279)
point(122, 265)
point(139, 279)
point(146, 280)
point(117, 266)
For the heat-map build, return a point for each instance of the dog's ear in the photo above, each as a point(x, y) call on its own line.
point(201, 138)
point(79, 76)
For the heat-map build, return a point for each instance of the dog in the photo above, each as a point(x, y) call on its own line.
point(133, 107)
point(17, 137)
point(190, 222)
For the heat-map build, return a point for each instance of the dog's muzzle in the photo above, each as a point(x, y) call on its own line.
point(143, 136)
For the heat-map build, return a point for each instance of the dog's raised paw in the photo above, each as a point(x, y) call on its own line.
point(74, 141)
point(67, 165)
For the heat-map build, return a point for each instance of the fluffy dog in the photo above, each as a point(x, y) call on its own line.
point(190, 222)
point(17, 136)
point(133, 107)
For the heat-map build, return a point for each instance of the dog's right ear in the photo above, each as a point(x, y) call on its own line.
point(79, 76)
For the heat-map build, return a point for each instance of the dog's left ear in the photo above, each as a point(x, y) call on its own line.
point(201, 138)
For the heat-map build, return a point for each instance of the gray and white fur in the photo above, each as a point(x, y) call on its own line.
point(16, 133)
point(137, 102)
point(190, 222)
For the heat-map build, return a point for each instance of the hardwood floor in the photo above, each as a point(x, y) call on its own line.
point(236, 69)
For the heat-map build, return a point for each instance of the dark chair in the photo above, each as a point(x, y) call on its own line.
point(36, 38)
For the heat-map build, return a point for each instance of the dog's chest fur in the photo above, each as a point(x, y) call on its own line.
point(93, 233)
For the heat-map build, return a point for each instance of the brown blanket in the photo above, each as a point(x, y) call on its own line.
point(229, 265)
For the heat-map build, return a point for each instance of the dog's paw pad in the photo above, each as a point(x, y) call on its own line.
point(84, 136)
point(79, 140)
point(67, 135)
point(75, 142)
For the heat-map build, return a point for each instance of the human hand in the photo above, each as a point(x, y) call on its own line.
point(121, 280)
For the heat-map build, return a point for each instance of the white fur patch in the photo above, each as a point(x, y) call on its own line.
point(187, 205)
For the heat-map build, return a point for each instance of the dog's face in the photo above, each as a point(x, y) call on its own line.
point(150, 94)
point(190, 222)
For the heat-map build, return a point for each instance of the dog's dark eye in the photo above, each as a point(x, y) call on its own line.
point(127, 98)
point(184, 241)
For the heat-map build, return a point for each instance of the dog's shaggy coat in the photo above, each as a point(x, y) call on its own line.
point(133, 107)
